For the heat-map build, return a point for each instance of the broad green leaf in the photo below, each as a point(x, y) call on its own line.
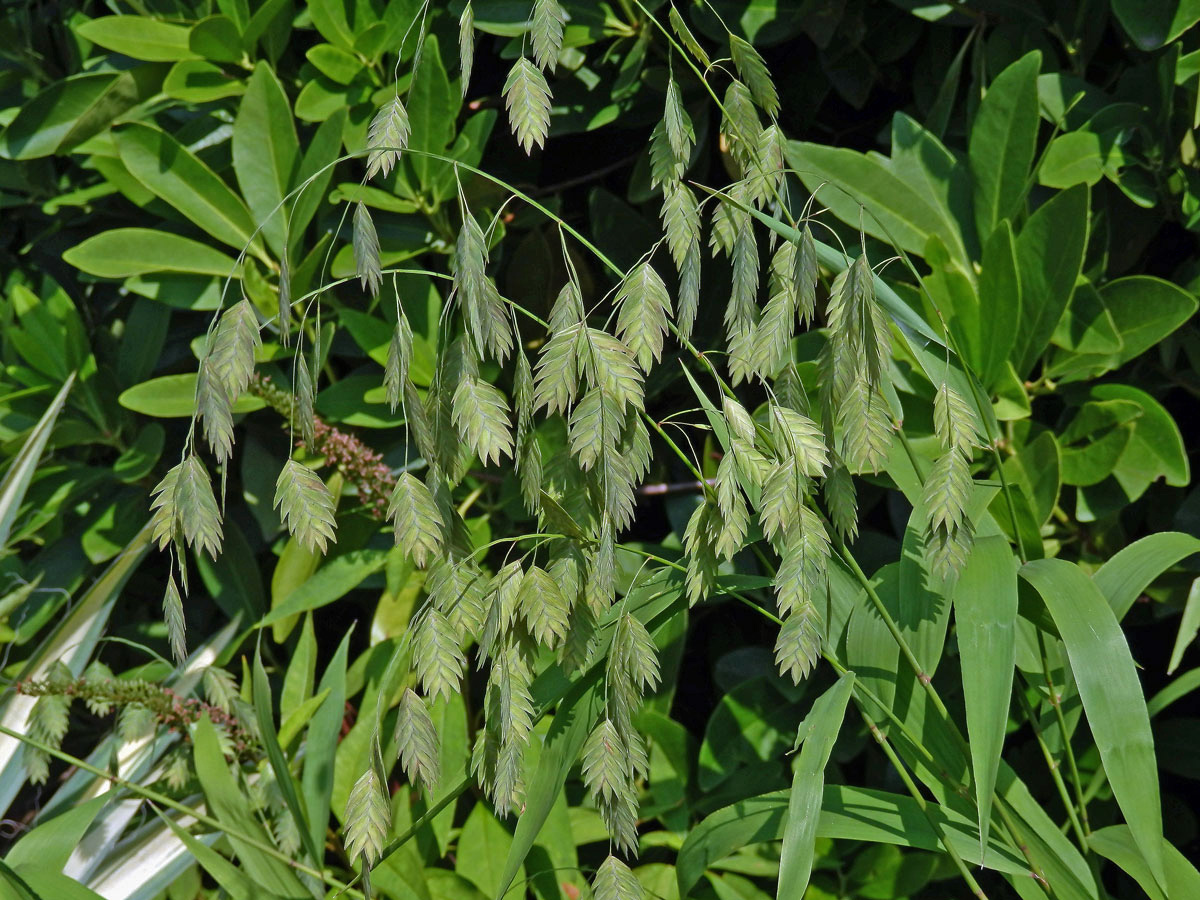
point(1050, 251)
point(1087, 326)
point(999, 303)
point(334, 62)
point(265, 153)
point(1130, 570)
point(320, 748)
point(46, 883)
point(985, 611)
point(217, 38)
point(432, 110)
point(198, 81)
point(70, 111)
point(817, 734)
point(1154, 25)
point(122, 252)
point(856, 814)
point(139, 37)
point(332, 581)
point(175, 174)
point(483, 847)
point(51, 843)
point(1095, 439)
point(751, 724)
point(1003, 140)
point(1145, 310)
point(1036, 467)
point(231, 807)
point(871, 651)
point(1155, 449)
point(1111, 693)
point(922, 597)
point(921, 159)
point(314, 174)
point(174, 397)
point(1116, 843)
point(1077, 157)
point(847, 181)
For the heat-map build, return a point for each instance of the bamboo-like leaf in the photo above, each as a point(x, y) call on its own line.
point(419, 526)
point(366, 250)
point(527, 97)
point(547, 32)
point(416, 741)
point(985, 610)
point(753, 69)
point(306, 505)
point(816, 739)
point(387, 136)
point(1112, 696)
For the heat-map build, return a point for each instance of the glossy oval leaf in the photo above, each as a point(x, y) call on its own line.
point(1002, 142)
point(174, 173)
point(138, 37)
point(122, 252)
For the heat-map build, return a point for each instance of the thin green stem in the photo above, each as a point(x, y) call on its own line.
point(900, 768)
point(1054, 768)
point(1068, 750)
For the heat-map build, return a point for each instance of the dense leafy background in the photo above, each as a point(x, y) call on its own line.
point(142, 155)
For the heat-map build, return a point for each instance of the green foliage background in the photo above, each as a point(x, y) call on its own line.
point(713, 449)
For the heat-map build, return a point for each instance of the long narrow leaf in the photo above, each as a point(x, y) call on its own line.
point(21, 469)
point(321, 748)
point(1123, 578)
point(1111, 694)
point(985, 606)
point(820, 730)
point(283, 775)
